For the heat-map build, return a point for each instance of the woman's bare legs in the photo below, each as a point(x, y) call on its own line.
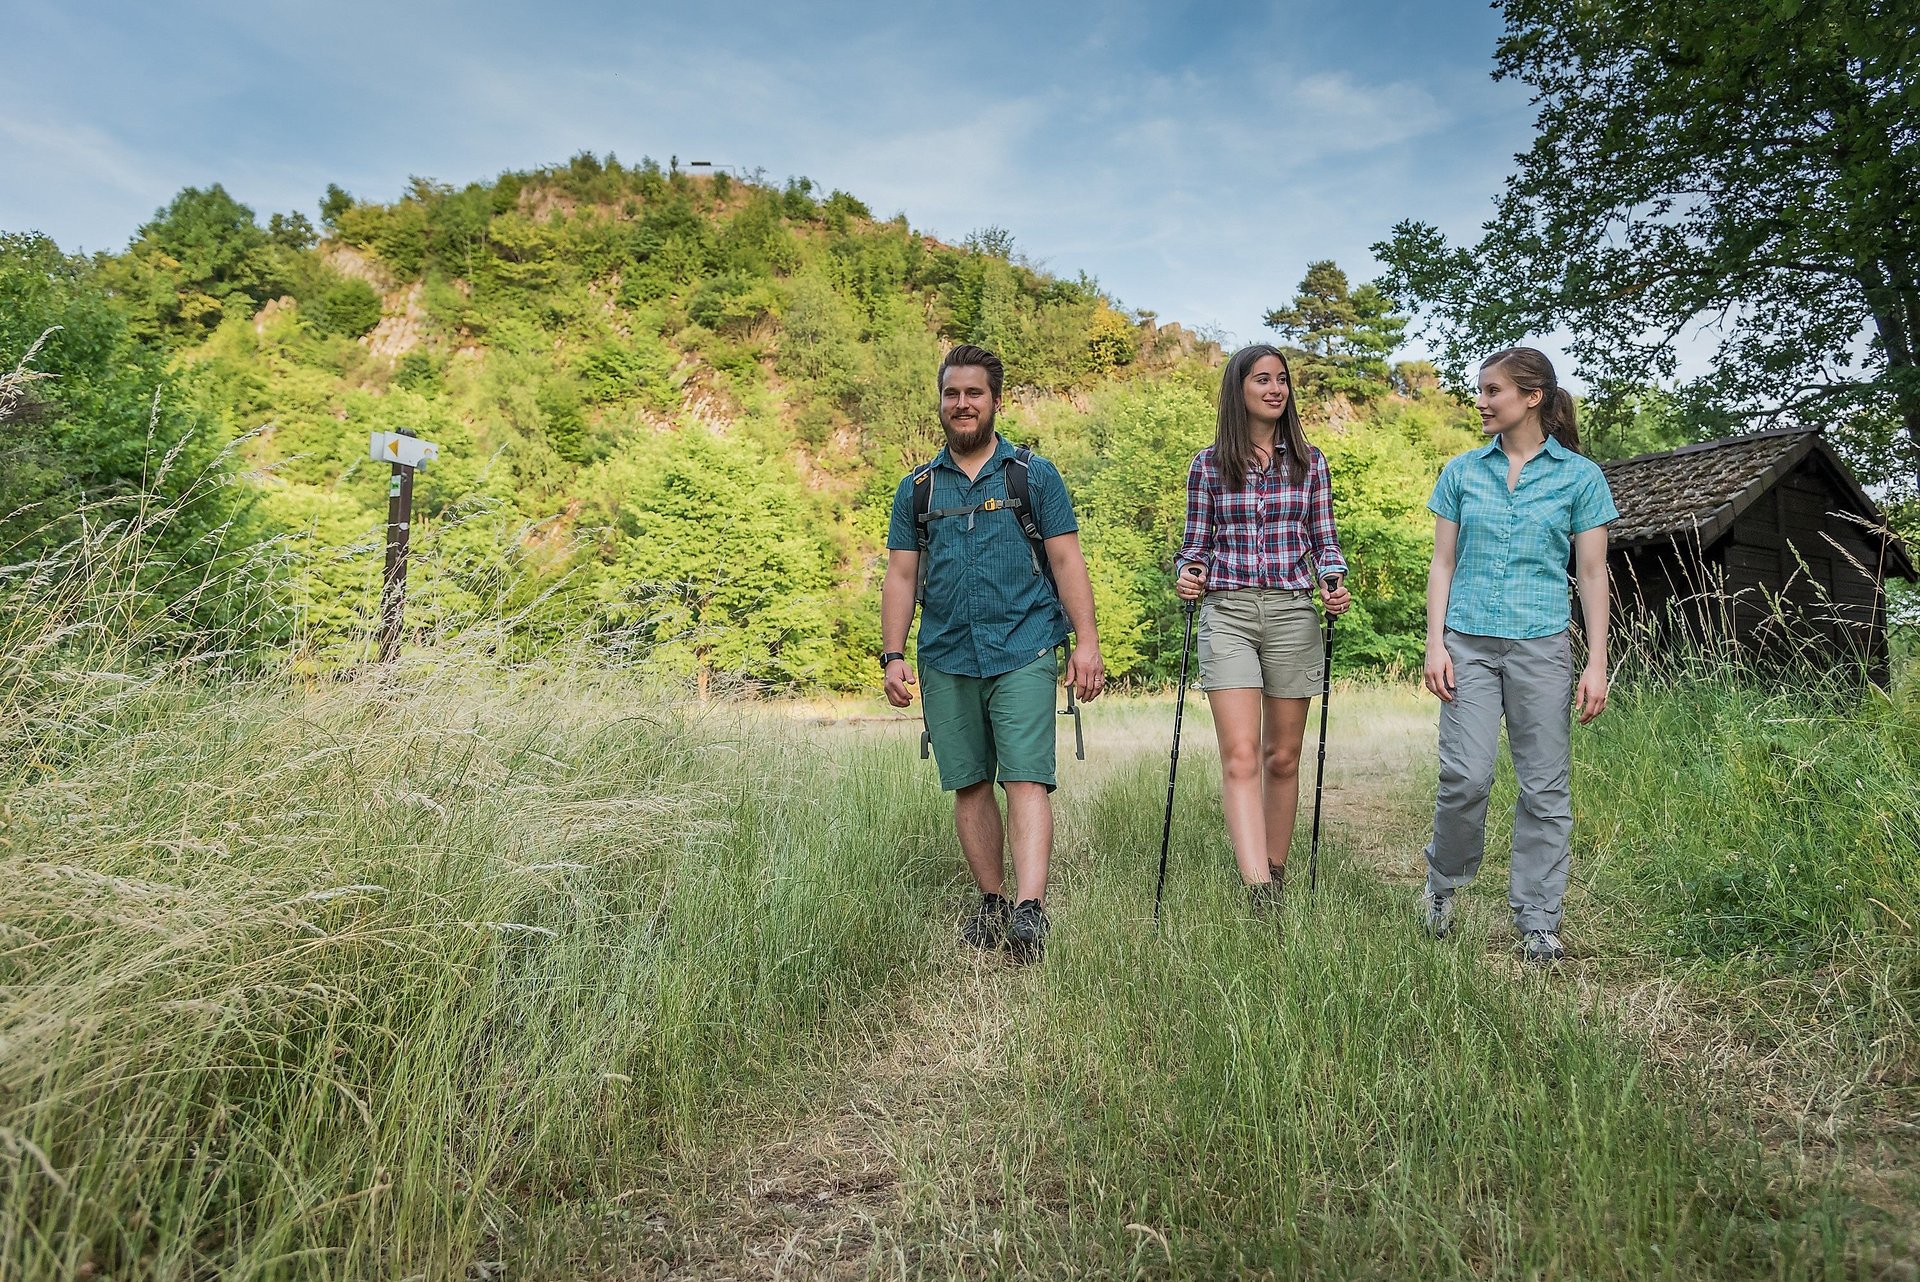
point(1285, 732)
point(1236, 722)
point(1260, 741)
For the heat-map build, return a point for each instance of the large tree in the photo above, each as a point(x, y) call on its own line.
point(200, 257)
point(1746, 170)
point(1339, 337)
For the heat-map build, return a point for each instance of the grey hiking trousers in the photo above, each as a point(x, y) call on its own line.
point(1530, 682)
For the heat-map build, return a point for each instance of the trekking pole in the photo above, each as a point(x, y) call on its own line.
point(1320, 770)
point(1079, 737)
point(1073, 710)
point(1173, 768)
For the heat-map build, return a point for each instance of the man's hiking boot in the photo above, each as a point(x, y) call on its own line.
point(986, 926)
point(1027, 932)
point(1438, 910)
point(1542, 947)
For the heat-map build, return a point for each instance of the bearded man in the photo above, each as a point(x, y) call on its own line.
point(1003, 585)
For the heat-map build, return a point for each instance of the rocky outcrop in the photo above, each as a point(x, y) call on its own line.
point(401, 324)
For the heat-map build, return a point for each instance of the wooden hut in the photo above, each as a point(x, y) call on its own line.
point(1763, 544)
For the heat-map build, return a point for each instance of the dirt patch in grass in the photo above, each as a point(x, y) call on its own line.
point(855, 1176)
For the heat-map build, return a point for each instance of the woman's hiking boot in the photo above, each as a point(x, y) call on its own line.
point(986, 926)
point(1266, 898)
point(1027, 932)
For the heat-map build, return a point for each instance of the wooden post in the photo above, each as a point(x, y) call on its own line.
point(393, 585)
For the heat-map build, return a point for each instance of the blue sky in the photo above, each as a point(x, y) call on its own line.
point(1192, 157)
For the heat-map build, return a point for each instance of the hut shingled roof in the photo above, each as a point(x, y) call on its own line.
point(1700, 490)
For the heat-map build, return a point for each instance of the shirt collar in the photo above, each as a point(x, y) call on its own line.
point(1553, 448)
point(1002, 451)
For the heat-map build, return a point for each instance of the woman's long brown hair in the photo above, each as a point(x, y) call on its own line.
point(1233, 438)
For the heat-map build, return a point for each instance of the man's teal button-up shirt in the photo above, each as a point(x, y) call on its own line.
point(988, 608)
point(1510, 573)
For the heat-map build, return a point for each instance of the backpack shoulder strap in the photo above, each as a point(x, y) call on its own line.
point(922, 478)
point(1020, 490)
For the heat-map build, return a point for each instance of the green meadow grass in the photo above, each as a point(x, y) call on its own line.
point(374, 980)
point(335, 983)
point(1761, 825)
point(1345, 1099)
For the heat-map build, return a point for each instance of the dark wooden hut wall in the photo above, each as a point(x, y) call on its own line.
point(1754, 542)
point(1794, 554)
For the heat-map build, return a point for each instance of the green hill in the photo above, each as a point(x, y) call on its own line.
point(671, 409)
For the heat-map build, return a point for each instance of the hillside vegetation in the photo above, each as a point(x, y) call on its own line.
point(671, 410)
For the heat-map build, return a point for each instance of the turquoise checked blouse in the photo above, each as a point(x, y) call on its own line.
point(1510, 575)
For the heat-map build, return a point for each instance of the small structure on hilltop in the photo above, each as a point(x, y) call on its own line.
point(1764, 544)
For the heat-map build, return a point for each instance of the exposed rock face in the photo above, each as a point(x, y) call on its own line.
point(1168, 344)
point(357, 264)
point(401, 322)
point(272, 308)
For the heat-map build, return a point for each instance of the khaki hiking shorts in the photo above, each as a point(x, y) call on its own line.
point(1265, 639)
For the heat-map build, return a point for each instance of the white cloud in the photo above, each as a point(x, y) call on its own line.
point(1340, 115)
point(1171, 152)
point(77, 154)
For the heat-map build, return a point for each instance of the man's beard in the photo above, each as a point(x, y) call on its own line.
point(969, 441)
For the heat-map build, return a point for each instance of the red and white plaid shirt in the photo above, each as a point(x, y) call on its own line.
point(1275, 533)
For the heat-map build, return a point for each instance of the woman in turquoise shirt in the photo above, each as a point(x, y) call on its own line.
point(1498, 640)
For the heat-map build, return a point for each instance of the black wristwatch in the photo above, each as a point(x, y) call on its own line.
point(889, 657)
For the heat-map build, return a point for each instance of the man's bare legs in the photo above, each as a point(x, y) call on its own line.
point(983, 835)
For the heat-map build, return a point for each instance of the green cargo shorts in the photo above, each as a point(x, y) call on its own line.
point(993, 727)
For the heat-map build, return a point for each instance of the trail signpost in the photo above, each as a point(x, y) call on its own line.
point(408, 454)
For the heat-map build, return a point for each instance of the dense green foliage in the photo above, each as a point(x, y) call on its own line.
point(671, 410)
point(1747, 169)
point(113, 460)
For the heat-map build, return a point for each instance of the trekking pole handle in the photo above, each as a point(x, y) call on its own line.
point(1079, 735)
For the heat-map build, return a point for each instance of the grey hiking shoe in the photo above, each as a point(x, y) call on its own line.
point(1438, 909)
point(1027, 932)
point(1541, 947)
point(986, 926)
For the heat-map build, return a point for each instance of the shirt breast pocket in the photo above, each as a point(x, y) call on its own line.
point(1550, 515)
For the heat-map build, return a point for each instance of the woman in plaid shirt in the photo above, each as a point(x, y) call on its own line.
point(1259, 541)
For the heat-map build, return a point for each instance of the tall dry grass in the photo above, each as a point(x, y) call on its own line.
point(331, 982)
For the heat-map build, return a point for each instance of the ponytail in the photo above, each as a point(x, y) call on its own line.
point(1556, 416)
point(1531, 371)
